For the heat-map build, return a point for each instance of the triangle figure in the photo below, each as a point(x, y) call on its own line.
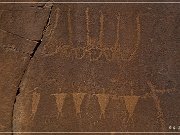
point(103, 101)
point(130, 102)
point(35, 102)
point(60, 101)
point(78, 97)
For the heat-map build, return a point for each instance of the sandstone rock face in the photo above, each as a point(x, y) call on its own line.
point(20, 33)
point(89, 68)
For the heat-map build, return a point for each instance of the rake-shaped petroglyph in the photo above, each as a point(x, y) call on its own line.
point(94, 48)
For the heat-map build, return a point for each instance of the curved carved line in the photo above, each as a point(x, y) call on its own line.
point(137, 41)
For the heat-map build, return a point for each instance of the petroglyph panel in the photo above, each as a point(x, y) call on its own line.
point(95, 48)
point(103, 67)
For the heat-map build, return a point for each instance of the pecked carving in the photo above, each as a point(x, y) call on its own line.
point(93, 48)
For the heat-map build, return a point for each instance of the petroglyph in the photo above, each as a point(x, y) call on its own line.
point(79, 53)
point(94, 48)
point(114, 53)
point(59, 101)
point(101, 56)
point(35, 102)
point(131, 102)
point(117, 43)
point(103, 101)
point(136, 46)
point(52, 30)
point(157, 105)
point(78, 97)
point(87, 28)
point(101, 33)
point(50, 33)
point(70, 27)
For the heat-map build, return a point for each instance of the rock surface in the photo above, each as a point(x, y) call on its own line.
point(20, 34)
point(89, 67)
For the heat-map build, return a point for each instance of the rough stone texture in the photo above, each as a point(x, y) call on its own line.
point(99, 67)
point(20, 33)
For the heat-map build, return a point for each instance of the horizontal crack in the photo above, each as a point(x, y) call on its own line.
point(10, 48)
point(18, 35)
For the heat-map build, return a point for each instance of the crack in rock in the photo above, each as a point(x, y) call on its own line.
point(18, 35)
point(28, 62)
point(14, 49)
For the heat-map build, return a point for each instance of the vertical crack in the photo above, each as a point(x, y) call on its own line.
point(17, 93)
point(28, 62)
point(35, 48)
